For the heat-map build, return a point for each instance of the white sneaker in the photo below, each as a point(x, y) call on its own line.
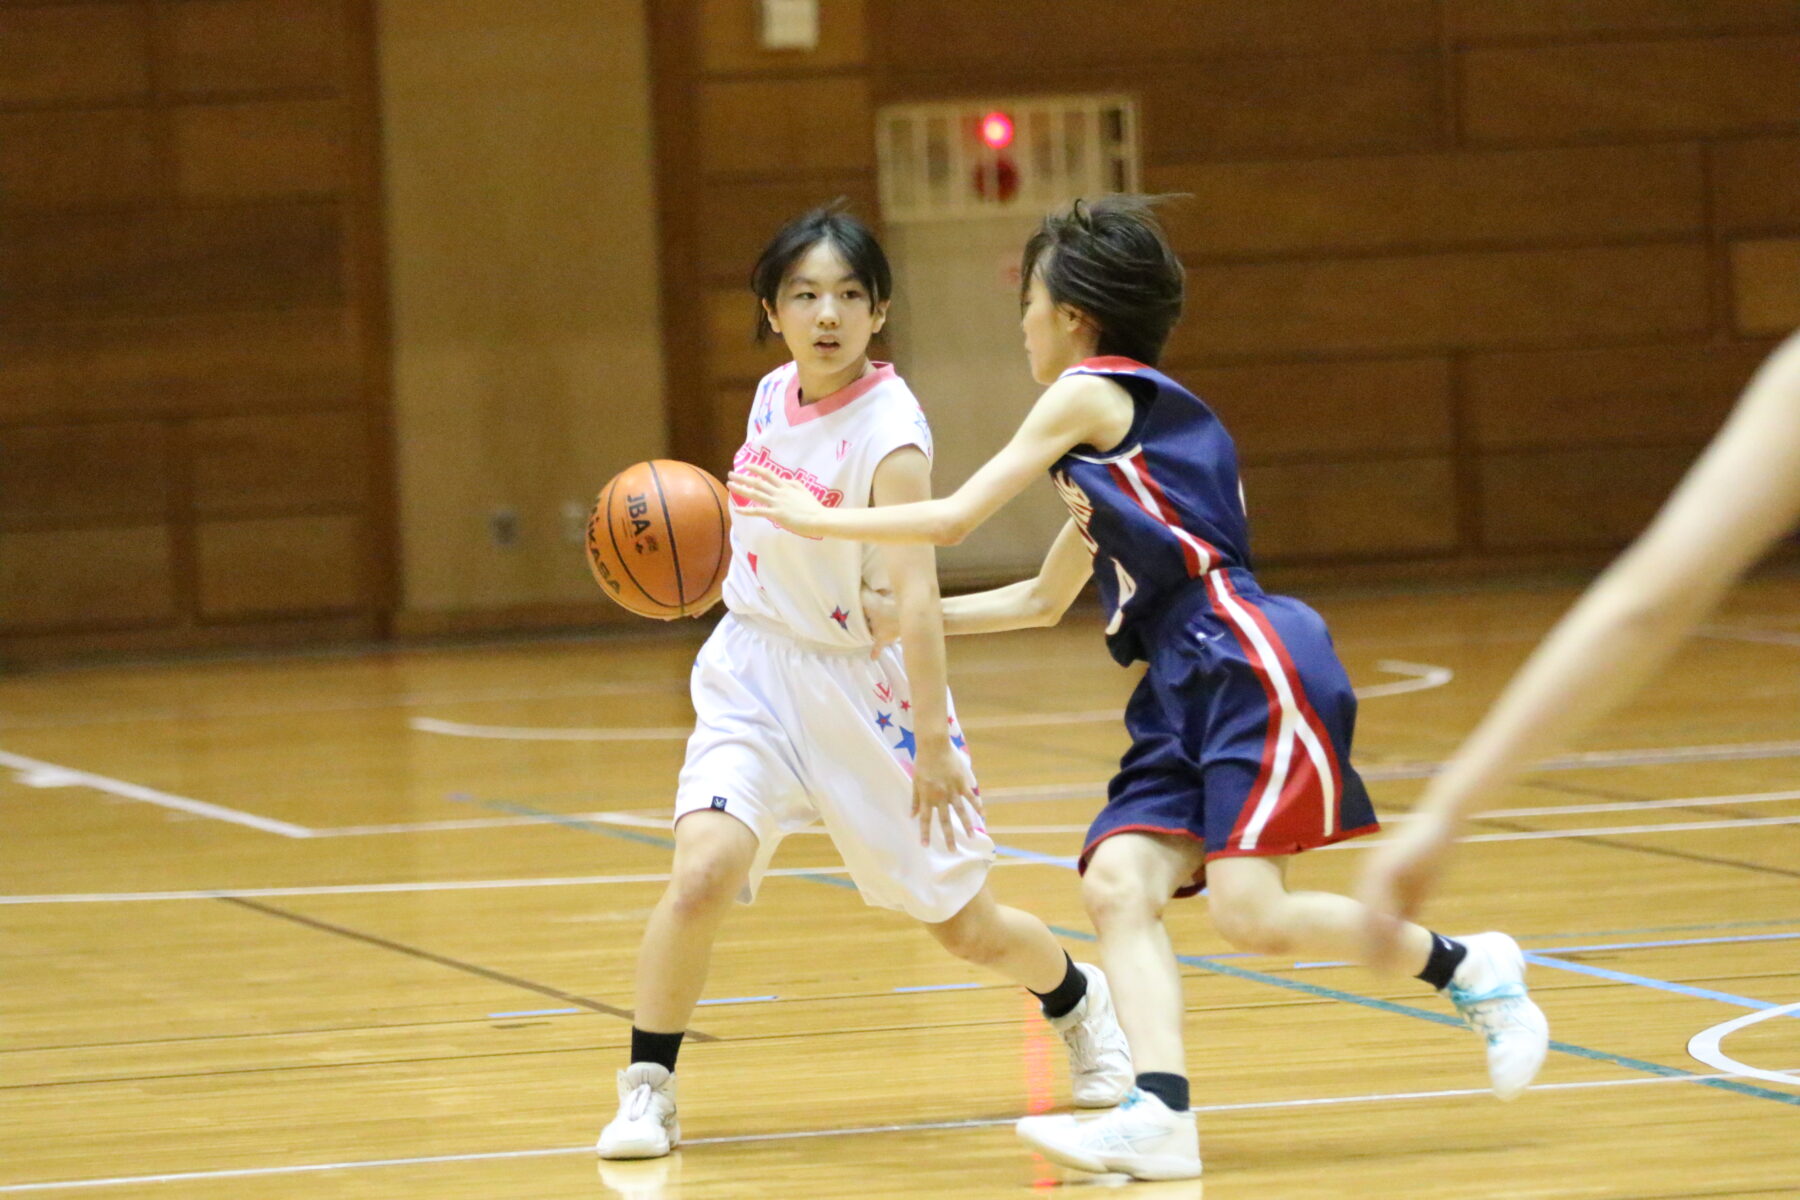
point(1099, 1059)
point(1489, 992)
point(1141, 1138)
point(646, 1126)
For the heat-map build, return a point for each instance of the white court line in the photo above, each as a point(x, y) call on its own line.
point(363, 889)
point(1705, 1047)
point(643, 820)
point(1768, 636)
point(37, 773)
point(1666, 756)
point(805, 1135)
point(349, 889)
point(1423, 676)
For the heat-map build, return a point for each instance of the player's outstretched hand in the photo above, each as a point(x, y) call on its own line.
point(762, 493)
point(883, 617)
point(1398, 877)
point(943, 789)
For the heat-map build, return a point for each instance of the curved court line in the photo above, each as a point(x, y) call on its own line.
point(1422, 676)
point(1704, 1046)
point(37, 773)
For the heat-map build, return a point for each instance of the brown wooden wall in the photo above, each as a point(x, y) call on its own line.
point(1470, 279)
point(193, 445)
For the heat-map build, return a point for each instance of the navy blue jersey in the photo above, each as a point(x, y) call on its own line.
point(1162, 508)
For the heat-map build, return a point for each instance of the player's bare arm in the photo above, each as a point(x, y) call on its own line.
point(1074, 411)
point(1741, 496)
point(941, 780)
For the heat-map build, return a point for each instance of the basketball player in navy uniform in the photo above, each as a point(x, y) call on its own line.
point(1241, 727)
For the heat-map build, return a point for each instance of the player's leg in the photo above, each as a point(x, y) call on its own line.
point(1074, 997)
point(713, 856)
point(1483, 975)
point(1128, 881)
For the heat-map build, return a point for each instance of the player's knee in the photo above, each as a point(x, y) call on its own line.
point(1115, 896)
point(970, 940)
point(703, 884)
point(1248, 926)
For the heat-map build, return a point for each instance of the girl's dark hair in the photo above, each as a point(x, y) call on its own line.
point(827, 223)
point(1110, 259)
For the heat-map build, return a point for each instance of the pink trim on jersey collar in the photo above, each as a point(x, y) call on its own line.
point(1112, 362)
point(798, 413)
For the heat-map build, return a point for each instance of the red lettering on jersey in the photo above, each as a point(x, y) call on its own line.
point(759, 456)
point(1080, 507)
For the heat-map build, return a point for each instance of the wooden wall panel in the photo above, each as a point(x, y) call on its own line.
point(280, 565)
point(1575, 499)
point(1424, 201)
point(731, 327)
point(1320, 410)
point(290, 461)
point(1616, 396)
point(1766, 279)
point(239, 46)
point(81, 578)
point(1543, 19)
point(61, 159)
point(1756, 185)
point(1540, 297)
point(1403, 507)
point(222, 362)
point(1631, 89)
point(161, 260)
point(76, 474)
point(730, 39)
point(998, 34)
point(74, 54)
point(279, 148)
point(736, 220)
point(824, 125)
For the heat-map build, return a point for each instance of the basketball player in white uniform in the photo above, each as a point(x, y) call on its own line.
point(800, 720)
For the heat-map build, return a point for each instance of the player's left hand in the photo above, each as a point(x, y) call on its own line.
point(762, 493)
point(944, 788)
point(883, 617)
point(1398, 877)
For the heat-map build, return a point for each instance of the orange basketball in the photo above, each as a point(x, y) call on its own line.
point(659, 539)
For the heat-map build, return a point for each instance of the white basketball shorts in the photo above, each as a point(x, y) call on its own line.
point(789, 733)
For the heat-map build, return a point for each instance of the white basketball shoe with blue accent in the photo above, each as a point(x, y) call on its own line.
point(1142, 1138)
point(1100, 1072)
point(1489, 992)
point(646, 1126)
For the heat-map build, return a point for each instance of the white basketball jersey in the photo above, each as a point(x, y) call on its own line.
point(812, 587)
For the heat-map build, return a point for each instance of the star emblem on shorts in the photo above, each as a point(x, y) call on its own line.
point(906, 706)
point(841, 617)
point(958, 740)
point(884, 720)
point(907, 743)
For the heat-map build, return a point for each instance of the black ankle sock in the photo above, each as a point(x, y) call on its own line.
point(1172, 1090)
point(1061, 1000)
point(658, 1048)
point(1446, 955)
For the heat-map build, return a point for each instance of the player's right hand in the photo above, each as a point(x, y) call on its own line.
point(1398, 876)
point(944, 790)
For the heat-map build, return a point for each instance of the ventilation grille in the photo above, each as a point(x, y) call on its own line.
point(935, 164)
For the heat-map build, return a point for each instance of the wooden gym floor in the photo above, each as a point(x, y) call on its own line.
point(363, 925)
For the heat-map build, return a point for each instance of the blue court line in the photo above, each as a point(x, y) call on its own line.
point(1661, 985)
point(736, 1000)
point(1538, 937)
point(941, 987)
point(538, 1012)
point(1217, 967)
point(1715, 941)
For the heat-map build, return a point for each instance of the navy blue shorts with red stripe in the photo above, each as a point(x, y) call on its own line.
point(1240, 730)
